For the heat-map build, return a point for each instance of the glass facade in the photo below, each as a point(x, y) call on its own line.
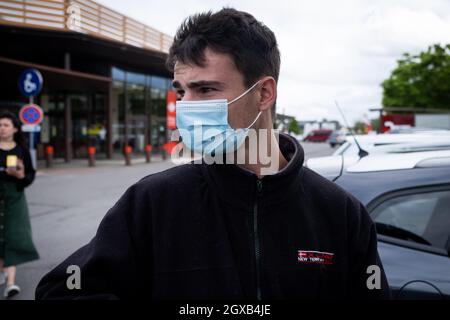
point(94, 93)
point(88, 122)
point(76, 118)
point(138, 100)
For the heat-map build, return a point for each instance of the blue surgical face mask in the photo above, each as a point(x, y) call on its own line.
point(204, 126)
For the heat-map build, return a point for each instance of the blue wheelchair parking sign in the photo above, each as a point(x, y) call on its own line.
point(30, 82)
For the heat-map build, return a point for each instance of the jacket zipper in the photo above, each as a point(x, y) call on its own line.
point(256, 239)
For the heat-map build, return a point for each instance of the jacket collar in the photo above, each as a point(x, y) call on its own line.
point(238, 187)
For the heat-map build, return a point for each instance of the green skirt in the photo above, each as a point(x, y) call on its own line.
point(16, 242)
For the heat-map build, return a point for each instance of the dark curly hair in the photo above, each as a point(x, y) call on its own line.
point(18, 136)
point(252, 45)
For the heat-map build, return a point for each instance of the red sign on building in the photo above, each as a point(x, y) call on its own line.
point(396, 119)
point(171, 109)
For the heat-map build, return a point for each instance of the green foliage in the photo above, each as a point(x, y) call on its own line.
point(375, 124)
point(421, 81)
point(293, 127)
point(359, 127)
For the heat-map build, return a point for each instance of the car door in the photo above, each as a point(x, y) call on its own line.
point(414, 241)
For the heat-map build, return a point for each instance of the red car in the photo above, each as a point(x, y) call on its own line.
point(318, 135)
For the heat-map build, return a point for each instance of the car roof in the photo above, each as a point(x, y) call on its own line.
point(368, 142)
point(393, 138)
point(331, 166)
point(399, 161)
point(435, 144)
point(420, 130)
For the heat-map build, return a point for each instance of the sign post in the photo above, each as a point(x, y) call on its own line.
point(171, 119)
point(171, 110)
point(31, 115)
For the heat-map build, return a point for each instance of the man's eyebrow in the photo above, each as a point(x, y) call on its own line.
point(196, 84)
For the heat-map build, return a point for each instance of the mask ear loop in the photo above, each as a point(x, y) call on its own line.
point(245, 92)
point(257, 117)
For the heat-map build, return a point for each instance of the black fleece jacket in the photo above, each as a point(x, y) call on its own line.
point(200, 232)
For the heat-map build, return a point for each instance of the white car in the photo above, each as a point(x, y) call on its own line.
point(343, 158)
point(367, 142)
point(398, 160)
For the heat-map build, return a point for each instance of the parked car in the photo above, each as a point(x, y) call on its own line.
point(421, 130)
point(336, 138)
point(367, 142)
point(348, 153)
point(318, 135)
point(407, 195)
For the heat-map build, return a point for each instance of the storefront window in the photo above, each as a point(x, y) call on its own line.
point(137, 115)
point(54, 125)
point(118, 115)
point(136, 78)
point(80, 124)
point(117, 74)
point(146, 100)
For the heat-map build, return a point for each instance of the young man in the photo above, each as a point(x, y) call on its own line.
point(244, 230)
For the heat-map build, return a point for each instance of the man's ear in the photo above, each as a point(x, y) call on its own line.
point(268, 93)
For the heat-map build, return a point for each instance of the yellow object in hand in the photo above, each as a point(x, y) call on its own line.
point(11, 161)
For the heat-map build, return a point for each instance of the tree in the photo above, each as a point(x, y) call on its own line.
point(293, 126)
point(375, 124)
point(421, 81)
point(359, 127)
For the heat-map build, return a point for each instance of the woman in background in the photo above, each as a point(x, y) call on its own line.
point(16, 173)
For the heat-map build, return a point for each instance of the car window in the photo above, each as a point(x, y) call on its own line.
point(422, 218)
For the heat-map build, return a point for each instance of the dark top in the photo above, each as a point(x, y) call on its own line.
point(201, 231)
point(24, 155)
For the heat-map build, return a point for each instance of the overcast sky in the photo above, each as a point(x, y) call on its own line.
point(330, 50)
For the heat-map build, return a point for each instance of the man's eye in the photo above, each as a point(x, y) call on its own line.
point(180, 93)
point(206, 89)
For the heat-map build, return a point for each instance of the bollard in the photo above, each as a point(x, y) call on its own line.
point(49, 151)
point(168, 148)
point(127, 151)
point(148, 150)
point(91, 154)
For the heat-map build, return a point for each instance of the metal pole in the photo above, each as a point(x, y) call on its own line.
point(31, 143)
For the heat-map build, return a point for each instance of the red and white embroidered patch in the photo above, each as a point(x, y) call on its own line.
point(315, 257)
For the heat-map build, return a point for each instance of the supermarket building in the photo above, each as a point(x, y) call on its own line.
point(105, 81)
